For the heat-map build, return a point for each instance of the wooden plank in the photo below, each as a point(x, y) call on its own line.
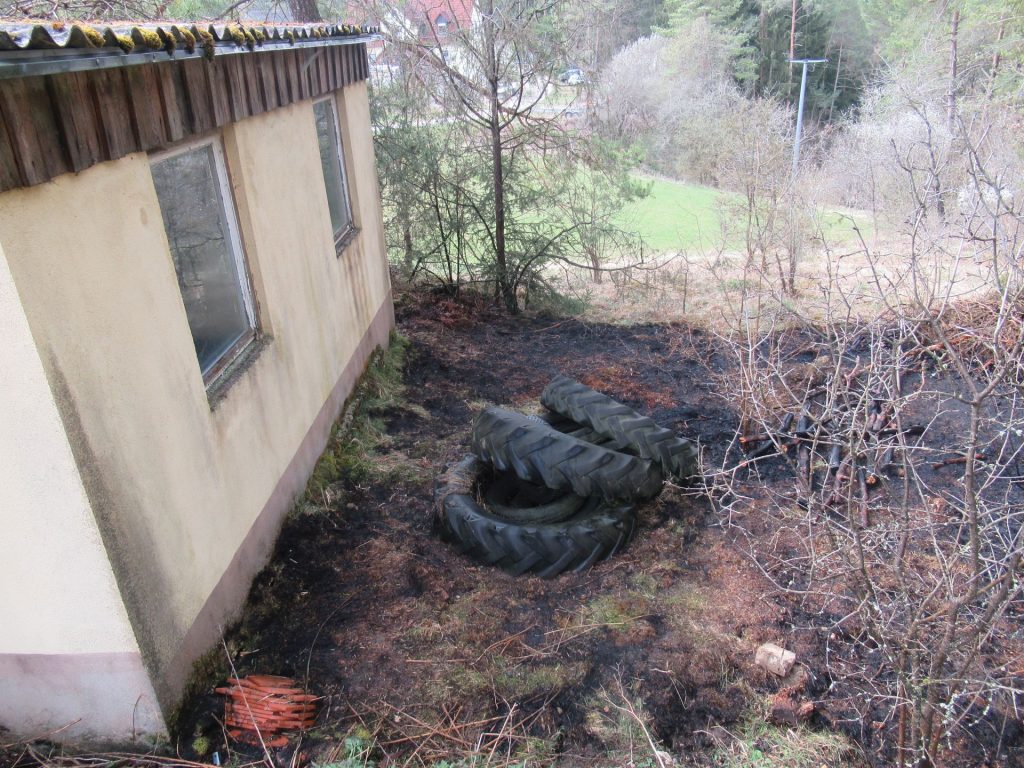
point(33, 130)
point(10, 178)
point(89, 121)
point(277, 61)
point(321, 74)
point(250, 70)
point(328, 76)
point(144, 101)
point(111, 93)
point(236, 86)
point(313, 74)
point(334, 67)
point(17, 120)
point(312, 77)
point(173, 101)
point(364, 62)
point(197, 94)
point(216, 80)
point(325, 70)
point(76, 119)
point(268, 80)
point(291, 59)
point(287, 59)
point(302, 73)
point(313, 69)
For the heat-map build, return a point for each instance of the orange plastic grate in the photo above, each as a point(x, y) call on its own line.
point(265, 705)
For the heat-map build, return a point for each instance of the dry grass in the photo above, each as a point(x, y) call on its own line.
point(723, 290)
point(757, 744)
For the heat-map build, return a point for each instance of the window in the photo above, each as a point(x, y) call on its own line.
point(332, 159)
point(442, 22)
point(199, 218)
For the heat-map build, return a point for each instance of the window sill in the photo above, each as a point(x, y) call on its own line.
point(217, 389)
point(341, 242)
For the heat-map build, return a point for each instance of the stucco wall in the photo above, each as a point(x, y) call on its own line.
point(63, 615)
point(188, 497)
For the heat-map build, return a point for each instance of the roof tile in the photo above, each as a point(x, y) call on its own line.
point(129, 36)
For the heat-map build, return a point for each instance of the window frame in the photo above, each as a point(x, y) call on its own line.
point(343, 237)
point(212, 377)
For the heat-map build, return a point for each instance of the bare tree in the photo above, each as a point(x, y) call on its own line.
point(491, 81)
point(914, 375)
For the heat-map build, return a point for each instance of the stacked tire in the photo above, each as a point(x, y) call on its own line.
point(559, 492)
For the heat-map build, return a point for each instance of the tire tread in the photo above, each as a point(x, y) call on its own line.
point(677, 457)
point(540, 454)
point(598, 531)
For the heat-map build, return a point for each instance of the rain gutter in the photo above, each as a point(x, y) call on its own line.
point(14, 64)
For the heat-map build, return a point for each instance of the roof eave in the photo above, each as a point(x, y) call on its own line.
point(51, 62)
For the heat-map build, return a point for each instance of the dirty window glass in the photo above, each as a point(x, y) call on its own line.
point(191, 187)
point(334, 168)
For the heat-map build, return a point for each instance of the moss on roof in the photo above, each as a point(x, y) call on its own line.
point(128, 37)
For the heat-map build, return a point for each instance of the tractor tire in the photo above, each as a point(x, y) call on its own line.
point(540, 454)
point(597, 531)
point(515, 500)
point(587, 434)
point(632, 432)
point(506, 496)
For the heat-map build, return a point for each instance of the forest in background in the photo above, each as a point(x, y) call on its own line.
point(493, 172)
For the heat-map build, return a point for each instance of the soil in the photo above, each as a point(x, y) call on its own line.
point(427, 656)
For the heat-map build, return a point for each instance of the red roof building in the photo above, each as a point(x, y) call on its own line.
point(440, 16)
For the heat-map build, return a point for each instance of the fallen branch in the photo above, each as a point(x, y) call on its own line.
point(957, 460)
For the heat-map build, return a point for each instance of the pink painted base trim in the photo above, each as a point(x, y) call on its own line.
point(87, 698)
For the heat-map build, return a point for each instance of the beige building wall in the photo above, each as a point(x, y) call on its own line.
point(188, 497)
point(62, 612)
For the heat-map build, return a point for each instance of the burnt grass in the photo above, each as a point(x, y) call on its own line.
point(422, 655)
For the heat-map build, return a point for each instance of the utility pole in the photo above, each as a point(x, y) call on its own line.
point(800, 109)
point(792, 41)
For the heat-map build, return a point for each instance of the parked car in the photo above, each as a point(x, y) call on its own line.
point(572, 76)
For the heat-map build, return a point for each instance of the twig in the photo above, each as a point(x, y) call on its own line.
point(865, 521)
point(245, 700)
point(958, 460)
point(631, 711)
point(312, 645)
point(40, 737)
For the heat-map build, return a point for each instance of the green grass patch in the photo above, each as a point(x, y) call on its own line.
point(684, 598)
point(677, 216)
point(358, 749)
point(517, 682)
point(616, 612)
point(620, 721)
